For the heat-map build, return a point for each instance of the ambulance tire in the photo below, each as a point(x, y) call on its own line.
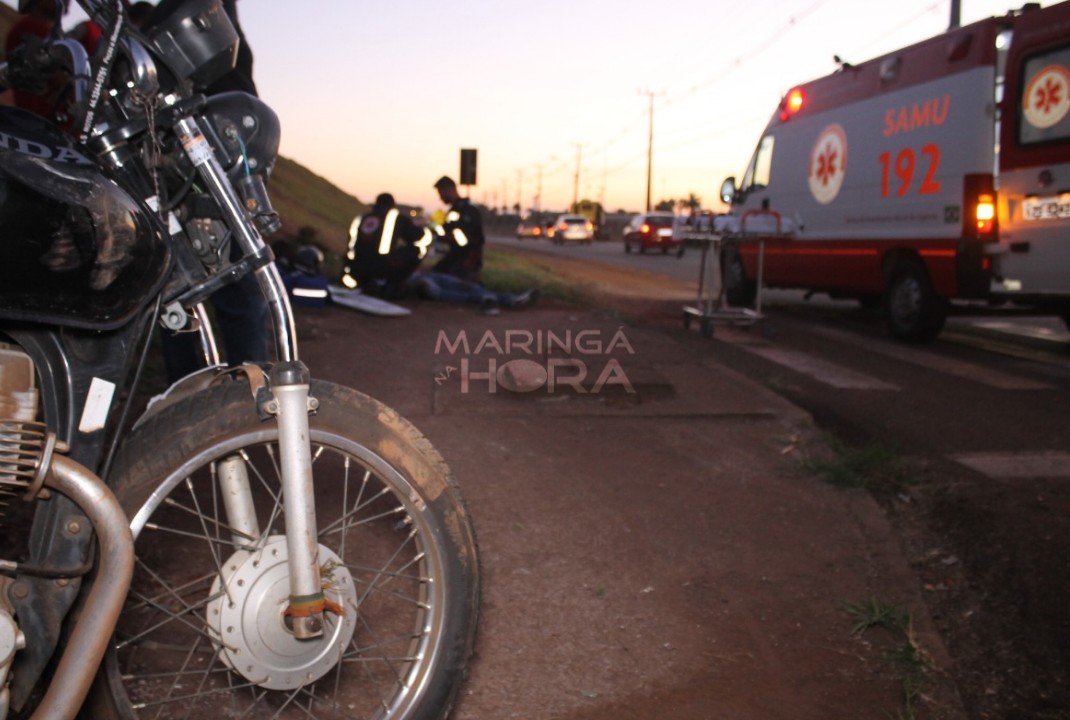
point(912, 309)
point(738, 289)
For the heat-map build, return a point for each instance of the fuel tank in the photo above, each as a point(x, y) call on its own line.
point(75, 249)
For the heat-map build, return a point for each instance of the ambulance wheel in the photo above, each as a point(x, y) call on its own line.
point(912, 309)
point(739, 291)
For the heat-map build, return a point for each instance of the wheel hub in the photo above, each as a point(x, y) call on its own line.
point(907, 301)
point(254, 636)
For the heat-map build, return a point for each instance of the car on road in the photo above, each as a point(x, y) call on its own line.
point(531, 228)
point(572, 228)
point(650, 231)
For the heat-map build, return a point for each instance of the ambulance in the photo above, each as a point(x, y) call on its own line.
point(934, 174)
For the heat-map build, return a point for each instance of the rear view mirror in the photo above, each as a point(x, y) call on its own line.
point(728, 190)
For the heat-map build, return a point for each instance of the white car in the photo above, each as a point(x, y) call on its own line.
point(571, 228)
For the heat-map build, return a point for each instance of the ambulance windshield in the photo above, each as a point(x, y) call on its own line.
point(760, 168)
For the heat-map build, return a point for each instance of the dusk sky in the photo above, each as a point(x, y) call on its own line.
point(382, 96)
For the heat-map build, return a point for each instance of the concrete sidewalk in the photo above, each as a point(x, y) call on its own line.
point(651, 545)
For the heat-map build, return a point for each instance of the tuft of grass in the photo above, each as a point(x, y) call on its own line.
point(875, 613)
point(912, 665)
point(868, 466)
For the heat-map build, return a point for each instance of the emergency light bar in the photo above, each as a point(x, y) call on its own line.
point(792, 103)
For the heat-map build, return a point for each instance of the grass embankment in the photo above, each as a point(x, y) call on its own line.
point(508, 271)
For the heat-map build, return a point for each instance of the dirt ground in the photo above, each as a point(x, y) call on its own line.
point(664, 553)
point(990, 558)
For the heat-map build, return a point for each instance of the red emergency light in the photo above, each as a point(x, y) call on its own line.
point(979, 202)
point(985, 213)
point(793, 102)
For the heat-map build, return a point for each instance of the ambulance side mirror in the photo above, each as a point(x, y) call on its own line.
point(728, 190)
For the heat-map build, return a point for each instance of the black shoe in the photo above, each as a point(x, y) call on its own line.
point(489, 306)
point(525, 299)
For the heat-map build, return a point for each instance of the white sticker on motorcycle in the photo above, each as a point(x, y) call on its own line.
point(197, 148)
point(1046, 100)
point(828, 164)
point(97, 405)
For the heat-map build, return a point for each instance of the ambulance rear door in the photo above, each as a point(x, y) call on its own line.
point(1034, 177)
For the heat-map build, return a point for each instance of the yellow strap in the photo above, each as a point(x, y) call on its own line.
point(308, 605)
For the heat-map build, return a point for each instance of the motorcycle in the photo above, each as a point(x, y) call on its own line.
point(256, 543)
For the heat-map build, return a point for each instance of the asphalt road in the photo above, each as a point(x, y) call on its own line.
point(685, 269)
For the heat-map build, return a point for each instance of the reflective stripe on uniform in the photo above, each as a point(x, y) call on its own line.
point(353, 228)
point(458, 235)
point(387, 236)
point(424, 242)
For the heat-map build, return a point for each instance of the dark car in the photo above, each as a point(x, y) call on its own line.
point(647, 231)
point(530, 228)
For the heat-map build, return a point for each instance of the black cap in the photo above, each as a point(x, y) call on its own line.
point(384, 200)
point(445, 180)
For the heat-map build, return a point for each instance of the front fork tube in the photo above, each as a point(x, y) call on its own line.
point(290, 403)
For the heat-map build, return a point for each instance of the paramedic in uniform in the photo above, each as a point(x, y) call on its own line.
point(385, 247)
point(464, 233)
point(455, 278)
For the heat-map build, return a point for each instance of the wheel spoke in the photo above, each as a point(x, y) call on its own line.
point(204, 633)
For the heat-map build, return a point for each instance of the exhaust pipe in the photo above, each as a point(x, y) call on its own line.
point(92, 633)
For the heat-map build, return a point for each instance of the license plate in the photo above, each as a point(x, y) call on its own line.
point(1048, 208)
point(665, 232)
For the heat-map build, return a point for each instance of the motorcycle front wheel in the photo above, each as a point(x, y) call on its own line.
point(207, 628)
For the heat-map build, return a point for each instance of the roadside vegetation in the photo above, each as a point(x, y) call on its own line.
point(905, 657)
point(507, 271)
point(872, 466)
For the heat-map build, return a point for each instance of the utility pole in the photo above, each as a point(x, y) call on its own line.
point(576, 180)
point(956, 14)
point(649, 148)
point(519, 193)
point(538, 189)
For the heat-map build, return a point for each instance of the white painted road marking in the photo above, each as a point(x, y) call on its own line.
point(928, 359)
point(1012, 465)
point(824, 371)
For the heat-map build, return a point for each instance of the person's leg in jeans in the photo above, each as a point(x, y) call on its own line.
point(448, 288)
point(240, 323)
point(241, 314)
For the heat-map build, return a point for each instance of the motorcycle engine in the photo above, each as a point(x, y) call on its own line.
point(18, 394)
point(18, 409)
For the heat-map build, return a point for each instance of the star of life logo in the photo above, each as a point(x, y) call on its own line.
point(828, 164)
point(584, 362)
point(1046, 100)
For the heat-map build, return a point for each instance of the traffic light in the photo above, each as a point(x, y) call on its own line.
point(468, 167)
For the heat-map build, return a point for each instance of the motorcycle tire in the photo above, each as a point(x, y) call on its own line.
point(205, 631)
